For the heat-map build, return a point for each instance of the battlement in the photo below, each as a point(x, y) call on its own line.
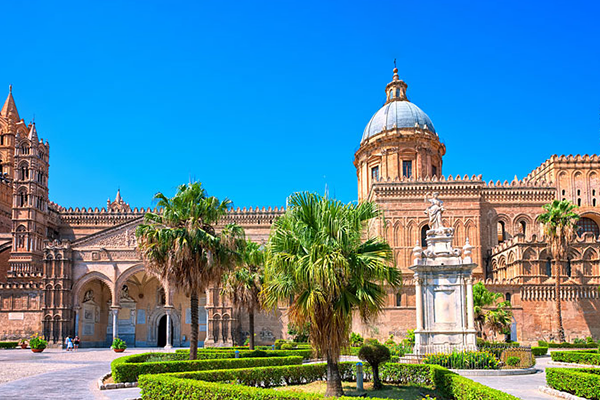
point(253, 216)
point(22, 286)
point(563, 159)
point(520, 239)
point(474, 179)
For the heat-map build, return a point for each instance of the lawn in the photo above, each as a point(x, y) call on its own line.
point(389, 391)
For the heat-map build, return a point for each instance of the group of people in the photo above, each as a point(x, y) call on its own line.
point(72, 344)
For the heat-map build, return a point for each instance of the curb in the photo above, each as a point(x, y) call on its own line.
point(564, 364)
point(110, 386)
point(558, 393)
point(496, 372)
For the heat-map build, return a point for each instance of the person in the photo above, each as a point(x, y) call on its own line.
point(76, 343)
point(69, 343)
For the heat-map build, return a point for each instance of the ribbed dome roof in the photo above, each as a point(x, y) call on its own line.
point(399, 114)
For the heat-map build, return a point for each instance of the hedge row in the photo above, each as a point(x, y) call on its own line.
point(212, 354)
point(8, 345)
point(539, 351)
point(577, 357)
point(582, 382)
point(130, 372)
point(573, 345)
point(217, 384)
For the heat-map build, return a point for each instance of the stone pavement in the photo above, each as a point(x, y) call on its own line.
point(56, 374)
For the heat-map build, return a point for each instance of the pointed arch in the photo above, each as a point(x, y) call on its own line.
point(90, 276)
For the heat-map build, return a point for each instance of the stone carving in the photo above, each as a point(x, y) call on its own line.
point(88, 296)
point(266, 335)
point(125, 294)
point(434, 211)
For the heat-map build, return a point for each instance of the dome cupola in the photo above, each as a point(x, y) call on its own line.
point(398, 143)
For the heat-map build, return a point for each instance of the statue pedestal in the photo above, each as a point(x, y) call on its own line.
point(444, 296)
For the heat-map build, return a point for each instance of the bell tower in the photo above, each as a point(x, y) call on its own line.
point(398, 143)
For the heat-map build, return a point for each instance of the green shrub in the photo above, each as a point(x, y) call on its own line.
point(356, 340)
point(577, 357)
point(207, 354)
point(279, 343)
point(8, 345)
point(287, 346)
point(126, 370)
point(572, 345)
point(582, 382)
point(513, 361)
point(542, 343)
point(523, 354)
point(463, 360)
point(539, 351)
point(37, 342)
point(118, 344)
point(374, 354)
point(217, 384)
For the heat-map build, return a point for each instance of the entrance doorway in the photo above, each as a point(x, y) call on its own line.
point(162, 331)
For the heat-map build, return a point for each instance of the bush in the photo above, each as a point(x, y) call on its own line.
point(463, 360)
point(279, 343)
point(356, 340)
point(118, 344)
point(542, 343)
point(539, 351)
point(8, 345)
point(287, 346)
point(374, 354)
point(208, 354)
point(577, 357)
point(36, 342)
point(513, 361)
point(582, 382)
point(206, 384)
point(523, 354)
point(126, 369)
point(572, 345)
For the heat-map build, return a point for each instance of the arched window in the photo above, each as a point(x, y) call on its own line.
point(501, 232)
point(24, 148)
point(548, 267)
point(507, 297)
point(22, 198)
point(398, 299)
point(216, 327)
point(569, 269)
point(587, 225)
point(424, 236)
point(523, 227)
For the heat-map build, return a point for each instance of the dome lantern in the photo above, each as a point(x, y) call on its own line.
point(396, 89)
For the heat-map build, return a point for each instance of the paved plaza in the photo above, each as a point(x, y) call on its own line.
point(57, 374)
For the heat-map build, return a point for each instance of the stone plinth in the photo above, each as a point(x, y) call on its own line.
point(444, 295)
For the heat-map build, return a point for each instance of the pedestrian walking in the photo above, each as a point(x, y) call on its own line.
point(76, 343)
point(69, 343)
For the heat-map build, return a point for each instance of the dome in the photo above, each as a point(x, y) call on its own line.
point(399, 114)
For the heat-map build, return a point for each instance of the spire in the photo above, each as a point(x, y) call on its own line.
point(33, 134)
point(396, 89)
point(9, 110)
point(118, 199)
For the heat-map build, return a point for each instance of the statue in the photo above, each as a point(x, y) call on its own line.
point(434, 211)
point(88, 296)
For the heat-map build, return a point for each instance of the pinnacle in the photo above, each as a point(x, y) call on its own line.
point(9, 110)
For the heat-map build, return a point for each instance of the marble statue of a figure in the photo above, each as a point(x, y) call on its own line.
point(434, 211)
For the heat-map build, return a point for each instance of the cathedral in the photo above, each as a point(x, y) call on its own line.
point(77, 272)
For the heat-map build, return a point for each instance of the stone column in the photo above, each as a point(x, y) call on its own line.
point(168, 310)
point(419, 301)
point(470, 310)
point(76, 309)
point(115, 314)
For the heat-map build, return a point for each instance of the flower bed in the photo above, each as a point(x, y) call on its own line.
point(128, 369)
point(216, 353)
point(582, 382)
point(8, 345)
point(253, 383)
point(463, 360)
point(591, 357)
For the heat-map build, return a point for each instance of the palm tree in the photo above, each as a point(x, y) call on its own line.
point(180, 245)
point(499, 319)
point(321, 256)
point(560, 227)
point(488, 312)
point(244, 283)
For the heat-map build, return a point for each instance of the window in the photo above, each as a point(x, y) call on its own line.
point(24, 149)
point(587, 225)
point(22, 199)
point(375, 173)
point(579, 202)
point(594, 202)
point(407, 169)
point(433, 170)
point(501, 232)
point(2, 140)
point(507, 297)
point(563, 192)
point(578, 192)
point(398, 299)
point(548, 267)
point(424, 236)
point(569, 269)
point(523, 227)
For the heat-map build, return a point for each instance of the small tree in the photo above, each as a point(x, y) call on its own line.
point(374, 353)
point(497, 316)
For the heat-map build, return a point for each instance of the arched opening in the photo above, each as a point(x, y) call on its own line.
point(507, 297)
point(216, 327)
point(501, 231)
point(398, 299)
point(56, 330)
point(523, 225)
point(225, 329)
point(585, 225)
point(161, 336)
point(569, 270)
point(47, 327)
point(424, 236)
point(548, 267)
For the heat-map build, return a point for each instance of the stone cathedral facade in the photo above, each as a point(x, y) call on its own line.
point(76, 271)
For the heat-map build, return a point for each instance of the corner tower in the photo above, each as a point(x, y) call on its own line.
point(399, 142)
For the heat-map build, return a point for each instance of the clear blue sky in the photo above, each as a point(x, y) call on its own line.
point(260, 99)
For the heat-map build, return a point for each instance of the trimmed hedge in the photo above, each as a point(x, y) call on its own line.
point(539, 351)
point(582, 382)
point(218, 384)
point(573, 345)
point(577, 357)
point(8, 345)
point(128, 371)
point(204, 354)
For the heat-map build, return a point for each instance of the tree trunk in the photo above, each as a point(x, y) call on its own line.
point(376, 381)
point(559, 322)
point(251, 327)
point(334, 380)
point(194, 332)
